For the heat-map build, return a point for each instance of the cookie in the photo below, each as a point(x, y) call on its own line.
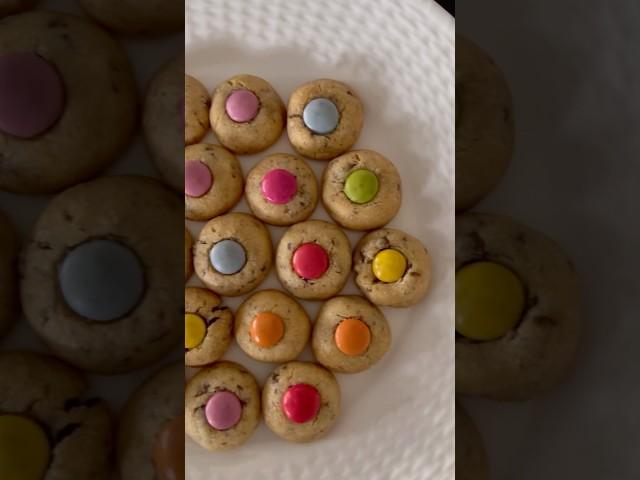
point(272, 327)
point(484, 124)
point(212, 181)
point(196, 110)
point(49, 428)
point(8, 275)
point(247, 114)
point(101, 277)
point(282, 190)
point(188, 255)
point(313, 260)
point(361, 190)
point(392, 268)
point(350, 335)
point(233, 254)
point(471, 458)
point(137, 16)
point(324, 119)
point(55, 131)
point(163, 116)
point(222, 406)
point(9, 7)
point(207, 327)
point(301, 401)
point(151, 430)
point(518, 309)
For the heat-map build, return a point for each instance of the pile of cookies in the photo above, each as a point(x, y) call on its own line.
point(234, 253)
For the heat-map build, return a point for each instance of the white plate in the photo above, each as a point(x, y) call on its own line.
point(397, 420)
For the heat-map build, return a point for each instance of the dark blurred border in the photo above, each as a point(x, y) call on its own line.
point(448, 5)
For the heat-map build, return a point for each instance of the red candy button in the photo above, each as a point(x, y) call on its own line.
point(301, 403)
point(310, 261)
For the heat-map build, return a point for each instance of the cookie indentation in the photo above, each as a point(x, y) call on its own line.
point(321, 116)
point(242, 106)
point(223, 410)
point(301, 403)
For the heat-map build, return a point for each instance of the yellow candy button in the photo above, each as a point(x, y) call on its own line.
point(389, 265)
point(24, 448)
point(194, 330)
point(489, 301)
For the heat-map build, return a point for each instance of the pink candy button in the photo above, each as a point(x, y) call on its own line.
point(301, 403)
point(223, 410)
point(242, 106)
point(279, 186)
point(197, 178)
point(310, 261)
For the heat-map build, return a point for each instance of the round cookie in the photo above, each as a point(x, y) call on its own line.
point(324, 119)
point(392, 268)
point(272, 327)
point(247, 114)
point(196, 110)
point(313, 260)
point(188, 255)
point(212, 181)
point(300, 401)
point(9, 7)
point(207, 327)
point(55, 131)
point(222, 406)
point(350, 335)
point(282, 190)
point(163, 117)
point(361, 190)
point(471, 458)
point(49, 428)
point(137, 16)
point(100, 277)
point(506, 270)
point(8, 275)
point(484, 124)
point(233, 254)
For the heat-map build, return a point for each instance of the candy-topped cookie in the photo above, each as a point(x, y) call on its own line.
point(8, 274)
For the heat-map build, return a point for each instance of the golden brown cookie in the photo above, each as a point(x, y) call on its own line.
point(137, 16)
point(188, 255)
point(8, 274)
point(196, 110)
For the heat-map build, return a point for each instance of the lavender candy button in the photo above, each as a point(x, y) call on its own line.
point(223, 410)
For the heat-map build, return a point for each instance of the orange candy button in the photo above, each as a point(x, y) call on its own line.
point(352, 336)
point(266, 329)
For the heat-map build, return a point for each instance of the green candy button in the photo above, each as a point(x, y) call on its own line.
point(361, 186)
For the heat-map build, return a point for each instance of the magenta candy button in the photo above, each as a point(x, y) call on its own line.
point(31, 94)
point(197, 178)
point(301, 403)
point(279, 186)
point(223, 410)
point(310, 261)
point(242, 106)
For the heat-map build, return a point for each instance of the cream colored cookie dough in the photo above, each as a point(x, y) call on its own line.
point(196, 110)
point(471, 458)
point(188, 255)
point(271, 326)
point(347, 130)
point(246, 234)
point(282, 190)
point(230, 378)
point(392, 268)
point(539, 352)
point(316, 236)
point(9, 7)
point(484, 124)
point(8, 274)
point(350, 335)
point(275, 390)
point(147, 432)
point(361, 190)
point(137, 16)
point(208, 330)
point(222, 176)
point(162, 120)
point(247, 114)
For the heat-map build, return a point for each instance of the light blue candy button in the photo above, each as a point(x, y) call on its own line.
point(227, 257)
point(321, 116)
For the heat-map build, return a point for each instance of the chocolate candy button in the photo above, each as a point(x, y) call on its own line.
point(361, 186)
point(228, 257)
point(197, 178)
point(266, 329)
point(242, 106)
point(352, 336)
point(168, 451)
point(321, 116)
point(24, 448)
point(389, 265)
point(195, 329)
point(301, 403)
point(279, 186)
point(223, 410)
point(310, 261)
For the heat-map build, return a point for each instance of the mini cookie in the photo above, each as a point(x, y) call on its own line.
point(151, 433)
point(324, 119)
point(301, 401)
point(100, 276)
point(163, 117)
point(313, 260)
point(9, 7)
point(212, 181)
point(207, 327)
point(196, 110)
point(233, 254)
point(484, 124)
point(137, 16)
point(8, 277)
point(282, 190)
point(55, 131)
point(48, 427)
point(350, 335)
point(471, 458)
point(188, 255)
point(222, 406)
point(247, 115)
point(361, 190)
point(392, 268)
point(272, 327)
point(518, 315)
